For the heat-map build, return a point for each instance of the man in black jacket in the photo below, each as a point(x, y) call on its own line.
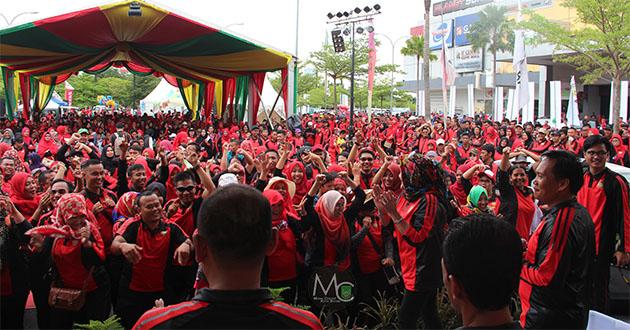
point(556, 276)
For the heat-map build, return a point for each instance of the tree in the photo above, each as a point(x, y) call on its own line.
point(494, 32)
point(338, 66)
point(425, 60)
point(306, 82)
point(599, 44)
point(414, 46)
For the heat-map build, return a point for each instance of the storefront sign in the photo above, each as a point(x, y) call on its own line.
point(462, 28)
point(439, 31)
point(450, 6)
point(467, 60)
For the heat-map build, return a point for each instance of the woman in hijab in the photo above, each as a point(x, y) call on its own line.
point(24, 193)
point(296, 172)
point(159, 188)
point(330, 220)
point(389, 177)
point(7, 136)
point(621, 151)
point(281, 270)
point(477, 202)
point(47, 143)
point(109, 159)
point(26, 136)
point(286, 188)
point(78, 257)
point(419, 217)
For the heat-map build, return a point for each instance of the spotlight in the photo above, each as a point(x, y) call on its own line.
point(134, 9)
point(346, 14)
point(338, 42)
point(367, 9)
point(330, 15)
point(377, 7)
point(339, 15)
point(360, 30)
point(357, 10)
point(370, 29)
point(346, 32)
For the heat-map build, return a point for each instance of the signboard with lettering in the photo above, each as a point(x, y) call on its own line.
point(450, 6)
point(417, 31)
point(331, 288)
point(462, 28)
point(439, 31)
point(467, 60)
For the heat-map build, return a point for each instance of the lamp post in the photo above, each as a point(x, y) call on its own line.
point(351, 18)
point(393, 43)
point(10, 22)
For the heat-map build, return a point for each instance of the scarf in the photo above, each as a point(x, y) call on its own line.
point(26, 206)
point(301, 188)
point(475, 193)
point(335, 228)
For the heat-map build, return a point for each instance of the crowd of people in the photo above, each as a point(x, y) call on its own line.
point(112, 211)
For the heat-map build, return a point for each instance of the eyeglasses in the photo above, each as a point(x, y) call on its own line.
point(185, 189)
point(366, 159)
point(600, 153)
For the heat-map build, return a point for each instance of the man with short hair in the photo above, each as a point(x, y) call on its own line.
point(462, 153)
point(486, 155)
point(556, 276)
point(7, 164)
point(605, 196)
point(481, 264)
point(234, 236)
point(98, 199)
point(151, 247)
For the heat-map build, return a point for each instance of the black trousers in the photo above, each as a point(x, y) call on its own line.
point(419, 304)
point(12, 309)
point(132, 304)
point(601, 280)
point(97, 307)
point(41, 289)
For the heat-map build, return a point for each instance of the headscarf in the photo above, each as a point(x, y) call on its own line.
point(301, 188)
point(35, 161)
point(335, 228)
point(11, 136)
point(124, 207)
point(108, 162)
point(150, 152)
point(27, 139)
point(396, 170)
point(47, 145)
point(475, 193)
point(421, 175)
point(73, 205)
point(275, 198)
point(153, 186)
point(171, 193)
point(18, 197)
point(19, 162)
point(289, 186)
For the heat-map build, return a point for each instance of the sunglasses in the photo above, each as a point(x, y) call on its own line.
point(185, 189)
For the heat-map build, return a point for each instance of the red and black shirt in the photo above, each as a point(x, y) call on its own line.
point(517, 206)
point(215, 309)
point(154, 271)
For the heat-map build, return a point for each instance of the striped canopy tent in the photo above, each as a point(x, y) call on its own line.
point(211, 68)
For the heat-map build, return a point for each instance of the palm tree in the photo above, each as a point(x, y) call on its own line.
point(494, 32)
point(414, 46)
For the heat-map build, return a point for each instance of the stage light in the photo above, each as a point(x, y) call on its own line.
point(330, 15)
point(346, 14)
point(357, 10)
point(370, 29)
point(377, 7)
point(360, 30)
point(367, 9)
point(338, 43)
point(339, 15)
point(134, 9)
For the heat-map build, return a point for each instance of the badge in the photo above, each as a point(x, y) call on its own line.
point(600, 185)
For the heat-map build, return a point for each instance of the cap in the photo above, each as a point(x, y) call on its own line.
point(431, 154)
point(84, 131)
point(226, 179)
point(487, 173)
point(520, 159)
point(554, 132)
point(439, 141)
point(413, 118)
point(543, 131)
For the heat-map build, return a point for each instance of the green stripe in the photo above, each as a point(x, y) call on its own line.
point(10, 101)
point(216, 43)
point(31, 36)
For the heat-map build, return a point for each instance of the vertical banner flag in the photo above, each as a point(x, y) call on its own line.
point(528, 115)
point(623, 104)
point(498, 111)
point(69, 92)
point(573, 118)
point(371, 66)
point(510, 105)
point(520, 67)
point(451, 103)
point(448, 76)
point(471, 100)
point(555, 102)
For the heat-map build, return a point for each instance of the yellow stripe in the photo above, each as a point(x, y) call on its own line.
point(130, 28)
point(251, 60)
point(218, 97)
point(13, 50)
point(42, 92)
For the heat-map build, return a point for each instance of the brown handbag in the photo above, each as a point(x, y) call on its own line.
point(69, 299)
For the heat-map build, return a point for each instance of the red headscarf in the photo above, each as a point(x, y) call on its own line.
point(26, 206)
point(47, 145)
point(335, 228)
point(395, 169)
point(275, 198)
point(301, 188)
point(171, 193)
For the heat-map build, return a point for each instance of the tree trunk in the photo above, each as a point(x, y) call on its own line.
point(494, 80)
point(615, 98)
point(418, 87)
point(426, 60)
point(334, 93)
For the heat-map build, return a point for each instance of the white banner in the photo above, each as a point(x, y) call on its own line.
point(573, 118)
point(520, 68)
point(528, 115)
point(471, 100)
point(451, 102)
point(511, 114)
point(555, 103)
point(498, 109)
point(467, 60)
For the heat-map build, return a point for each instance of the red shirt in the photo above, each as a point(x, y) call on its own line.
point(283, 262)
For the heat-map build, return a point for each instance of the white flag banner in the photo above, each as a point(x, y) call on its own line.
point(420, 104)
point(519, 63)
point(528, 113)
point(555, 103)
point(498, 110)
point(573, 118)
point(471, 100)
point(451, 102)
point(623, 106)
point(542, 89)
point(510, 105)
